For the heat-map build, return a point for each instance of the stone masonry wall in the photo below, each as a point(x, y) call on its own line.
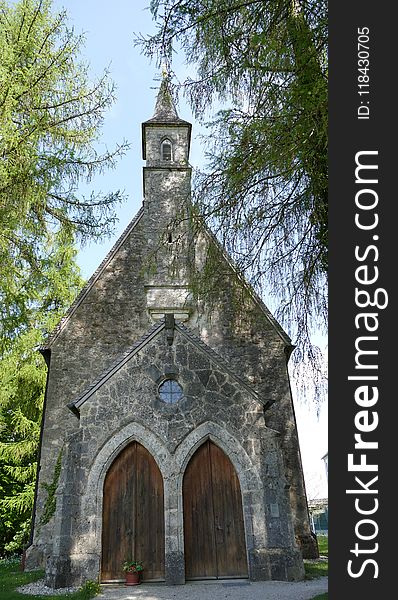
point(111, 317)
point(214, 405)
point(235, 324)
point(97, 332)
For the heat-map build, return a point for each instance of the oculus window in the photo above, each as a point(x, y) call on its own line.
point(170, 391)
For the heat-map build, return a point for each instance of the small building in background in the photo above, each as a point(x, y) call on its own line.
point(318, 510)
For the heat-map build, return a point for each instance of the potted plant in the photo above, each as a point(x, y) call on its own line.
point(133, 569)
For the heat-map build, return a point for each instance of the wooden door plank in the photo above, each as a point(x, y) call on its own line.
point(149, 548)
point(133, 515)
point(118, 530)
point(228, 516)
point(200, 549)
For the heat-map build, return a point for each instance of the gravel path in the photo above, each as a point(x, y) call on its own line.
point(38, 588)
point(261, 590)
point(234, 590)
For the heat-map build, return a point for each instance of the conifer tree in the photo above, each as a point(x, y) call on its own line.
point(264, 191)
point(23, 379)
point(50, 121)
point(51, 114)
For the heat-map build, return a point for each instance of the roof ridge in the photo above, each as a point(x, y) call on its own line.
point(90, 282)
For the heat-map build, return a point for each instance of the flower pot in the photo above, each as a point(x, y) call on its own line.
point(132, 578)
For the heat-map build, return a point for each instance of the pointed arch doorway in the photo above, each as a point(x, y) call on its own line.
point(133, 515)
point(214, 533)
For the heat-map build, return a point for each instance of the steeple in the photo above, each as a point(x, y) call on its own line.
point(167, 193)
point(166, 116)
point(165, 110)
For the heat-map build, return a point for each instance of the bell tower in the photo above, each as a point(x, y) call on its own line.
point(167, 194)
point(165, 137)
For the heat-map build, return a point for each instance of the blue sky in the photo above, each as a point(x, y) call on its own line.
point(110, 29)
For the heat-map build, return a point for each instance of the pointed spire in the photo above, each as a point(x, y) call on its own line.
point(165, 109)
point(165, 114)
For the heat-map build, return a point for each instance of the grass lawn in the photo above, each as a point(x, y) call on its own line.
point(321, 597)
point(12, 577)
point(318, 568)
point(323, 545)
point(315, 568)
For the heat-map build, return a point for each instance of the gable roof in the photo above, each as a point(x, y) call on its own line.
point(165, 114)
point(141, 343)
point(278, 328)
point(87, 287)
point(95, 276)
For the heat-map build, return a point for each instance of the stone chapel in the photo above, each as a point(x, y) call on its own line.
point(169, 433)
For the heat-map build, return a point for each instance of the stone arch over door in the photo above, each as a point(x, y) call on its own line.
point(251, 486)
point(88, 542)
point(133, 515)
point(214, 533)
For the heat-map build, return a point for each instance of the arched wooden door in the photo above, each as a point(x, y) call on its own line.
point(133, 515)
point(213, 518)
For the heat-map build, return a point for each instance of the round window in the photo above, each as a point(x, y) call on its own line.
point(170, 391)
